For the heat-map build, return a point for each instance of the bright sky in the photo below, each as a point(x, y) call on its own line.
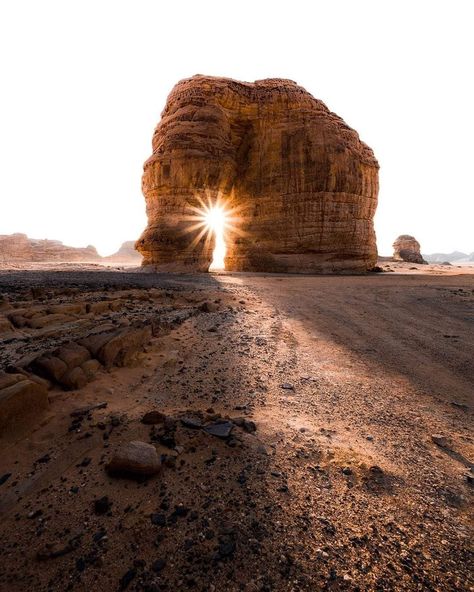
point(83, 83)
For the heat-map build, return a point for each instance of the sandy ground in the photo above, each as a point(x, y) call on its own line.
point(341, 487)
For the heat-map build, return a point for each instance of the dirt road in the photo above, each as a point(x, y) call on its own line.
point(358, 476)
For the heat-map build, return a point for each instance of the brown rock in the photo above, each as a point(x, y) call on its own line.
point(153, 417)
point(95, 342)
point(90, 369)
point(20, 400)
point(18, 320)
point(301, 185)
point(123, 347)
point(98, 307)
point(7, 379)
point(67, 309)
point(72, 354)
point(407, 248)
point(135, 459)
point(39, 322)
point(50, 366)
point(74, 379)
point(5, 325)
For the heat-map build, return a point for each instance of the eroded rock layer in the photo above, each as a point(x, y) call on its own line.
point(303, 185)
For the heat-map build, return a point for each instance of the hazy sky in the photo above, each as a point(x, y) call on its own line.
point(83, 84)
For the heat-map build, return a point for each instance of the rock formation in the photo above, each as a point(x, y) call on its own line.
point(301, 185)
point(126, 254)
point(407, 248)
point(18, 247)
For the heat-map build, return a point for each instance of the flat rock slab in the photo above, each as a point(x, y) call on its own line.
point(191, 422)
point(219, 429)
point(135, 459)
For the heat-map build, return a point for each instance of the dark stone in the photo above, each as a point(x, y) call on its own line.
point(158, 519)
point(127, 578)
point(102, 505)
point(181, 511)
point(153, 417)
point(99, 535)
point(221, 429)
point(191, 422)
point(158, 565)
point(226, 546)
point(5, 478)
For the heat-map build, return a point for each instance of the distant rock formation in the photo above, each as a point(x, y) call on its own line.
point(454, 257)
point(18, 247)
point(126, 254)
point(407, 248)
point(303, 185)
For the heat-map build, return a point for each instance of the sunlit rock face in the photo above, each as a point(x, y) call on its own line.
point(301, 185)
point(407, 248)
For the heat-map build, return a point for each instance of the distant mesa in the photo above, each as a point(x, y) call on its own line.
point(407, 248)
point(300, 184)
point(18, 248)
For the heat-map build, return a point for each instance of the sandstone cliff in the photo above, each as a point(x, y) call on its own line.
point(407, 248)
point(302, 185)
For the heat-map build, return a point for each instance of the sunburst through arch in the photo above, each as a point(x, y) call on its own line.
point(214, 217)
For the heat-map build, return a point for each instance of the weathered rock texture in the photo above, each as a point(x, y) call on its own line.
point(18, 247)
point(407, 248)
point(304, 185)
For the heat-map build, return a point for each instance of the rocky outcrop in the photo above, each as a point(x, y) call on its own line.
point(126, 254)
point(407, 248)
point(18, 247)
point(300, 184)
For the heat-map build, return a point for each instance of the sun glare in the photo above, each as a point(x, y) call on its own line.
point(215, 220)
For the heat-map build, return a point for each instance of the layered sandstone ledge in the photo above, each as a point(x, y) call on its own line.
point(303, 184)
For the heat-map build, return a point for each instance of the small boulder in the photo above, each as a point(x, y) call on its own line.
point(221, 429)
point(153, 418)
point(74, 379)
point(135, 459)
point(90, 368)
point(440, 440)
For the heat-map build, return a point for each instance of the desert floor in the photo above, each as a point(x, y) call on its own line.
point(341, 487)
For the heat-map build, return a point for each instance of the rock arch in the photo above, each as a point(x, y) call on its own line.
point(304, 185)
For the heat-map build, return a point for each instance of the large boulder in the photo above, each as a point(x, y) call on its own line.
point(21, 399)
point(301, 186)
point(407, 248)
